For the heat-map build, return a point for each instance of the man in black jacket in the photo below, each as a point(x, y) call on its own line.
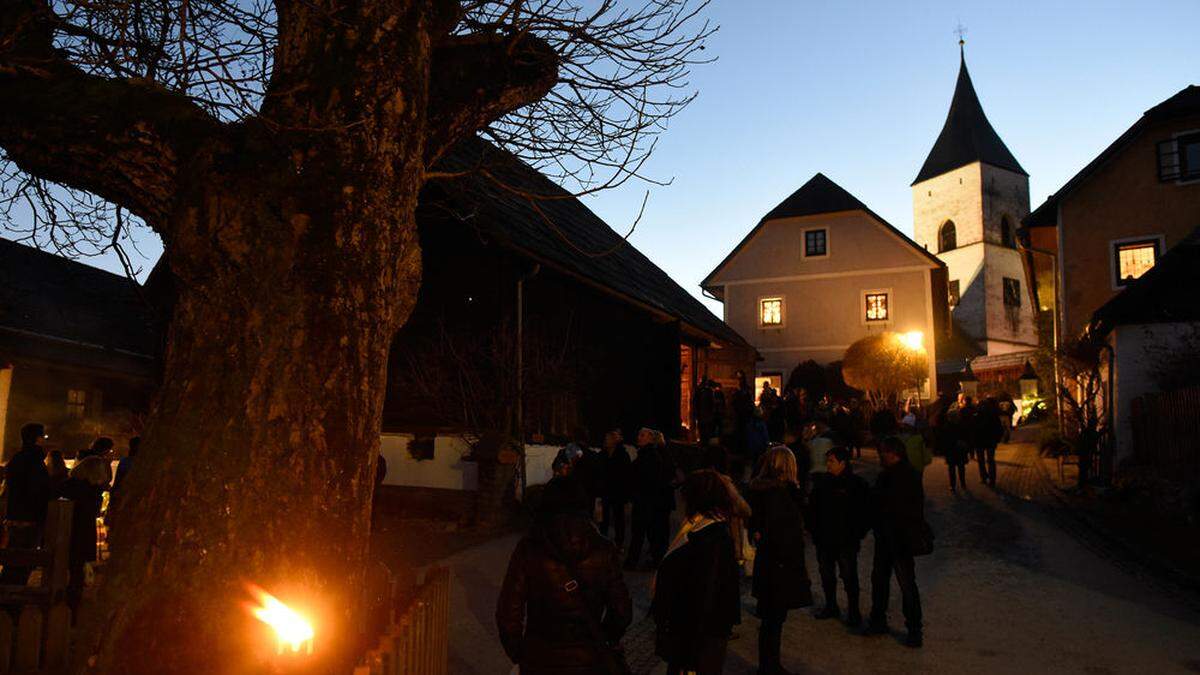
point(898, 503)
point(27, 484)
point(564, 602)
point(838, 520)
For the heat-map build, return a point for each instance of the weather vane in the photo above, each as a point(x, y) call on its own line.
point(960, 31)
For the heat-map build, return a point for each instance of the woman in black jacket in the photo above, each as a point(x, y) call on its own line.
point(564, 603)
point(777, 527)
point(85, 488)
point(696, 594)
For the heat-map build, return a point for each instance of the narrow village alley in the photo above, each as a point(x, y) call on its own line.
point(1015, 585)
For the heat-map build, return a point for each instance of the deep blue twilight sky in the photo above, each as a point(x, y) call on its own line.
point(859, 90)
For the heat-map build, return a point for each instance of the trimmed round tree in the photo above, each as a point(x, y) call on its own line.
point(884, 365)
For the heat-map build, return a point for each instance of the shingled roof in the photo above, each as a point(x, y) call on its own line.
point(1166, 293)
point(1183, 103)
point(46, 295)
point(967, 136)
point(557, 229)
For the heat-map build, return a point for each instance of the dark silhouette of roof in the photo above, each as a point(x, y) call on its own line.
point(1185, 102)
point(556, 229)
point(48, 296)
point(1166, 293)
point(967, 136)
point(819, 195)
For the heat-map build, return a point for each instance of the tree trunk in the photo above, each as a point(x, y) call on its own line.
point(258, 455)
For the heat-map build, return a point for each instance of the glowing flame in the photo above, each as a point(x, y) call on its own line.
point(291, 628)
point(913, 340)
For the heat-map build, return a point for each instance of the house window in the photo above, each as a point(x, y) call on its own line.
point(770, 312)
point(1179, 158)
point(947, 237)
point(1012, 292)
point(876, 307)
point(816, 243)
point(1133, 258)
point(1007, 239)
point(76, 402)
point(954, 297)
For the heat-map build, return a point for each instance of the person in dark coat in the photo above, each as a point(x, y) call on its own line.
point(653, 498)
point(614, 495)
point(988, 431)
point(898, 518)
point(135, 443)
point(954, 439)
point(563, 604)
point(85, 488)
point(777, 528)
point(839, 518)
point(27, 486)
point(696, 597)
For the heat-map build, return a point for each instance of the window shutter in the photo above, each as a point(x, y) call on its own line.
point(1168, 161)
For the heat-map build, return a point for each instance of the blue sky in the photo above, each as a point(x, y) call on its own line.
point(859, 92)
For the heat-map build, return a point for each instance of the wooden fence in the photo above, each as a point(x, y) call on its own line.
point(34, 619)
point(1166, 430)
point(416, 640)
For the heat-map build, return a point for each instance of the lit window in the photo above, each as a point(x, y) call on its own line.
point(1012, 292)
point(770, 312)
point(954, 296)
point(876, 306)
point(1134, 258)
point(816, 243)
point(76, 400)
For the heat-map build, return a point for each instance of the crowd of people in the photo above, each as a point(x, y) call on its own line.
point(35, 477)
point(749, 506)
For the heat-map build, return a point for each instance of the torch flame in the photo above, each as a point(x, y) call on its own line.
point(291, 628)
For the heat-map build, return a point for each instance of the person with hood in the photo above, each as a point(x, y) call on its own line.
point(563, 605)
point(838, 519)
point(614, 494)
point(777, 528)
point(85, 488)
point(696, 597)
point(898, 518)
point(653, 498)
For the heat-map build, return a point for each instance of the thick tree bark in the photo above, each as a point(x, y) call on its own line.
point(293, 241)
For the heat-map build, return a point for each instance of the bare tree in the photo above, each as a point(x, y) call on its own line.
point(278, 150)
point(1082, 399)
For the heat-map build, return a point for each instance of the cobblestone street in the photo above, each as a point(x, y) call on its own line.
point(1016, 585)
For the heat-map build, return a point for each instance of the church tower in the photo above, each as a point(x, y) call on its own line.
point(968, 199)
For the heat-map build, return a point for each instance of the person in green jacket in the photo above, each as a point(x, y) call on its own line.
point(919, 454)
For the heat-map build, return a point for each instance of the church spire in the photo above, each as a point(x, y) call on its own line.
point(967, 136)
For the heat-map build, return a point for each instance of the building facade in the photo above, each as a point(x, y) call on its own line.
point(1113, 220)
point(820, 271)
point(968, 201)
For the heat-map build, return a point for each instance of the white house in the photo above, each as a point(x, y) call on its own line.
point(820, 271)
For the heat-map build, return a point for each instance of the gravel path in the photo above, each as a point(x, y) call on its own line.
point(1016, 585)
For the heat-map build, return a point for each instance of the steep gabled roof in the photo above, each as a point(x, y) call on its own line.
point(1166, 293)
point(1185, 102)
point(50, 296)
point(558, 230)
point(818, 196)
point(967, 136)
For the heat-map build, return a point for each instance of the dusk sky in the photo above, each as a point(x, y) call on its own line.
point(859, 91)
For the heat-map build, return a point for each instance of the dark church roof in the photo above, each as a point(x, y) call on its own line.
point(559, 230)
point(1166, 293)
point(48, 296)
point(819, 195)
point(1185, 103)
point(967, 136)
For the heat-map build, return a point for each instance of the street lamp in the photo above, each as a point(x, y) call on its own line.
point(914, 340)
point(1029, 382)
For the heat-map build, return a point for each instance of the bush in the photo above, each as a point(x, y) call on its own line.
point(884, 365)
